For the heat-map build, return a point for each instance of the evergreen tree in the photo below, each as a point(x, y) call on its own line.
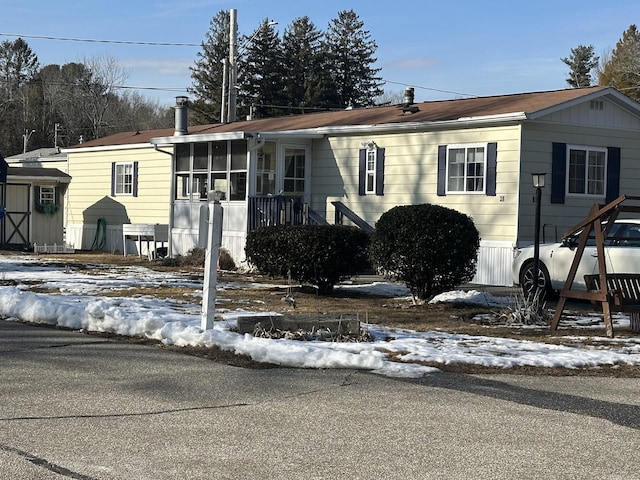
point(350, 52)
point(581, 62)
point(207, 75)
point(18, 65)
point(307, 85)
point(622, 68)
point(261, 74)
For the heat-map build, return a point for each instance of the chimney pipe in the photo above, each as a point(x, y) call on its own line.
point(408, 96)
point(181, 116)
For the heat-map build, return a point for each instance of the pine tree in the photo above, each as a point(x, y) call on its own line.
point(622, 68)
point(261, 74)
point(581, 62)
point(301, 46)
point(18, 65)
point(350, 50)
point(207, 75)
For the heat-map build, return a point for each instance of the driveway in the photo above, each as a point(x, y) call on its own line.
point(84, 407)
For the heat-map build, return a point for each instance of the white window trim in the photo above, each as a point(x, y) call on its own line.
point(116, 176)
point(586, 148)
point(50, 195)
point(484, 183)
point(370, 171)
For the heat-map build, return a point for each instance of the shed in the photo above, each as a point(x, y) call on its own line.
point(32, 206)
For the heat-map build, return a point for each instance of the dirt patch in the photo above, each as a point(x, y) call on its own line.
point(263, 294)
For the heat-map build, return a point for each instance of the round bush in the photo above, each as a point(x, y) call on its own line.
point(318, 254)
point(429, 247)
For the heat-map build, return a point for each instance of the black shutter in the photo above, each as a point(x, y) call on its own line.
point(492, 161)
point(558, 172)
point(36, 195)
point(113, 179)
point(613, 173)
point(134, 180)
point(380, 171)
point(362, 172)
point(442, 170)
point(4, 166)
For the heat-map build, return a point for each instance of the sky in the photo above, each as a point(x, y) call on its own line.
point(444, 49)
point(75, 300)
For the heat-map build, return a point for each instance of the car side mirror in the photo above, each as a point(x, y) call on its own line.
point(569, 242)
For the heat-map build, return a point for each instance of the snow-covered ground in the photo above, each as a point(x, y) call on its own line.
point(75, 302)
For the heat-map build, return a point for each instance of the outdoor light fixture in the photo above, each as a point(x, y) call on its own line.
point(538, 183)
point(538, 179)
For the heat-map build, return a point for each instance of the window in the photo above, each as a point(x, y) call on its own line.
point(211, 166)
point(586, 171)
point(294, 175)
point(577, 170)
point(266, 170)
point(124, 179)
point(47, 196)
point(466, 168)
point(371, 170)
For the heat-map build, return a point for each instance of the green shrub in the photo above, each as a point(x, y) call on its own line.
point(431, 248)
point(318, 254)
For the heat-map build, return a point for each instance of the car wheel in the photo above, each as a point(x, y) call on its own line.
point(528, 283)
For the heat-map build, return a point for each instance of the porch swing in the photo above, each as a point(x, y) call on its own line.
point(617, 292)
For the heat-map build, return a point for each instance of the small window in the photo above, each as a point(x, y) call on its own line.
point(596, 105)
point(124, 179)
point(372, 155)
point(586, 170)
point(47, 196)
point(466, 168)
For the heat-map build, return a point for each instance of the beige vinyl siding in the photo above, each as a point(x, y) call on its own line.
point(410, 177)
point(89, 196)
point(537, 143)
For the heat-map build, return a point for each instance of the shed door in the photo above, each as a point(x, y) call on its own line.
point(15, 223)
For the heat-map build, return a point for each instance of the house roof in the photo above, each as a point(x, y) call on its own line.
point(520, 106)
point(50, 154)
point(38, 173)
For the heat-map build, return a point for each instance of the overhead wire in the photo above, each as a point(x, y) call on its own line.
point(94, 40)
point(176, 44)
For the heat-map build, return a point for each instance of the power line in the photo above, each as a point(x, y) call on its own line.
point(429, 88)
point(92, 40)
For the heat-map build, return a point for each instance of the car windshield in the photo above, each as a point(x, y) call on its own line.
point(621, 234)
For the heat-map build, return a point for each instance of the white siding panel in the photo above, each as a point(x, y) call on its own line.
point(494, 264)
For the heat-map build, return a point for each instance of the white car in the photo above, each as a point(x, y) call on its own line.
point(622, 252)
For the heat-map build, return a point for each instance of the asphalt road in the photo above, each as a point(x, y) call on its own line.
point(83, 407)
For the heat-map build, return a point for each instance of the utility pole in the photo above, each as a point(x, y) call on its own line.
point(25, 139)
point(233, 64)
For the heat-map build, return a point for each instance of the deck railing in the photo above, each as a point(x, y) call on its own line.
point(265, 211)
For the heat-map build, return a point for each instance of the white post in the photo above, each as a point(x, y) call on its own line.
point(214, 239)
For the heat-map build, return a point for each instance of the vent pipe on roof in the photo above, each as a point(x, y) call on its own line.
point(181, 116)
point(408, 96)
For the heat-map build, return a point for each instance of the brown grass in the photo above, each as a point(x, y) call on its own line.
point(391, 312)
